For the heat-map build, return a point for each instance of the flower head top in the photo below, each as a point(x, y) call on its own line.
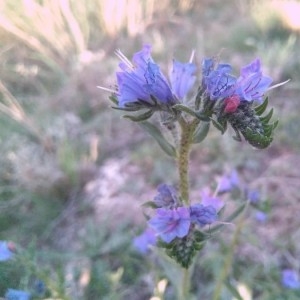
point(220, 84)
point(142, 80)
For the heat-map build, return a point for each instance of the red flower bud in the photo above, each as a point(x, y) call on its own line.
point(231, 103)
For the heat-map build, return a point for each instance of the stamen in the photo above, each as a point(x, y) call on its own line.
point(123, 58)
point(192, 56)
point(107, 89)
point(277, 85)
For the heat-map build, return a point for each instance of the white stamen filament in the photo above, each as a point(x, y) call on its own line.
point(277, 85)
point(192, 56)
point(123, 58)
point(107, 89)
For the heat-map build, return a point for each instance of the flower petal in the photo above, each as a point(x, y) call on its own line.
point(182, 78)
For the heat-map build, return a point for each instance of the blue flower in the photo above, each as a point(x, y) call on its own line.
point(166, 196)
point(12, 294)
point(261, 216)
point(142, 242)
point(220, 84)
point(252, 84)
point(208, 200)
point(6, 250)
point(182, 78)
point(228, 182)
point(142, 80)
point(203, 215)
point(217, 81)
point(253, 196)
point(171, 223)
point(290, 279)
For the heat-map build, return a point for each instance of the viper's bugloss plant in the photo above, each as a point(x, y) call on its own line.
point(182, 225)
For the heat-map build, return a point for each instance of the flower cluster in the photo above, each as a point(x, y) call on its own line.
point(143, 82)
point(173, 220)
point(143, 89)
point(220, 84)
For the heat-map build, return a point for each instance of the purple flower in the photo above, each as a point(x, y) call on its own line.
point(182, 78)
point(253, 196)
point(217, 81)
point(261, 217)
point(290, 279)
point(6, 250)
point(228, 182)
point(12, 294)
point(166, 196)
point(171, 223)
point(142, 79)
point(142, 242)
point(252, 84)
point(208, 200)
point(203, 215)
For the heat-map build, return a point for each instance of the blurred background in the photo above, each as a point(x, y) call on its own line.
point(73, 173)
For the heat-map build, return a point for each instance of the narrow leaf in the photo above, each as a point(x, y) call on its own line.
point(202, 117)
point(218, 125)
point(150, 204)
point(230, 218)
point(113, 99)
point(201, 132)
point(126, 108)
point(160, 139)
point(268, 117)
point(261, 108)
point(186, 109)
point(141, 117)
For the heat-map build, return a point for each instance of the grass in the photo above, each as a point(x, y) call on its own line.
point(74, 174)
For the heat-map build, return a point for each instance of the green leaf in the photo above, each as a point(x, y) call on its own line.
point(150, 204)
point(267, 118)
point(129, 108)
point(201, 132)
point(218, 125)
point(184, 108)
point(237, 137)
point(183, 250)
point(230, 218)
point(157, 135)
point(261, 108)
point(113, 99)
point(139, 118)
point(202, 117)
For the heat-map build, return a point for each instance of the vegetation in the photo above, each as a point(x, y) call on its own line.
point(73, 175)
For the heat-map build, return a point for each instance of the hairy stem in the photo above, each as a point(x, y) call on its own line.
point(187, 131)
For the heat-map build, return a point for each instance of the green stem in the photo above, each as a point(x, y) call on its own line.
point(185, 286)
point(228, 261)
point(187, 131)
